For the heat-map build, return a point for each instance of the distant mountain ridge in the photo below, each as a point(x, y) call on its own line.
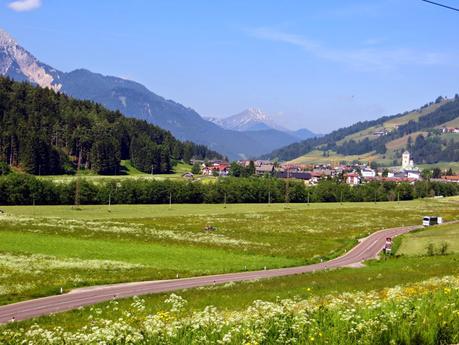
point(132, 99)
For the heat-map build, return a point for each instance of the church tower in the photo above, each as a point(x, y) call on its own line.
point(406, 162)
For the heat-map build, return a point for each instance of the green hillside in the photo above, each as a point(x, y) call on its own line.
point(383, 140)
point(47, 133)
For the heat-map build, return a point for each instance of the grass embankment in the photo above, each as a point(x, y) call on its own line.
point(69, 248)
point(417, 243)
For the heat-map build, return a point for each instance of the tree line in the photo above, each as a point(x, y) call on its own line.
point(43, 132)
point(23, 189)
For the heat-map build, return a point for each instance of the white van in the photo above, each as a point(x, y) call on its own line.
point(429, 220)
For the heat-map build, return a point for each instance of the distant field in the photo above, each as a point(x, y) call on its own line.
point(442, 165)
point(316, 157)
point(43, 248)
point(416, 243)
point(400, 143)
point(129, 172)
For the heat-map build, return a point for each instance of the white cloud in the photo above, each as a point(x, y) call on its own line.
point(367, 58)
point(24, 5)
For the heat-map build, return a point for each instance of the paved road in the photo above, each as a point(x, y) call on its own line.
point(368, 248)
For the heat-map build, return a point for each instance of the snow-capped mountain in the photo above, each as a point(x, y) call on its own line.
point(252, 119)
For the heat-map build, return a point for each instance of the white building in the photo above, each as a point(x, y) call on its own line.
point(368, 173)
point(416, 174)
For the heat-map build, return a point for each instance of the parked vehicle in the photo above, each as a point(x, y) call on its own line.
point(430, 220)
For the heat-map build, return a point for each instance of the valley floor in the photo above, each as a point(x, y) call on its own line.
point(44, 248)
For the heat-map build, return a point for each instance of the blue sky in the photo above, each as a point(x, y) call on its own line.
point(315, 64)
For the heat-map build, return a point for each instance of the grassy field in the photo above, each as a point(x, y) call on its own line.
point(128, 172)
point(417, 243)
point(84, 249)
point(69, 248)
point(418, 313)
point(316, 157)
point(442, 165)
point(377, 275)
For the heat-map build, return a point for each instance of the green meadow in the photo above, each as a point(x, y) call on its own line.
point(417, 243)
point(44, 248)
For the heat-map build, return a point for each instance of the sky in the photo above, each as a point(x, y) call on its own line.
point(320, 65)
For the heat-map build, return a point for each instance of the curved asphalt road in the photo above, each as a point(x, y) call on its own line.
point(368, 248)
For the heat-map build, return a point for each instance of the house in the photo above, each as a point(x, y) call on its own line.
point(451, 178)
point(368, 173)
point(380, 133)
point(352, 179)
point(300, 175)
point(414, 174)
point(244, 162)
point(220, 169)
point(259, 163)
point(445, 130)
point(264, 169)
point(315, 177)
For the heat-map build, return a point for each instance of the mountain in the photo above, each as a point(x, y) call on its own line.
point(252, 119)
point(130, 98)
point(421, 131)
point(304, 134)
point(260, 127)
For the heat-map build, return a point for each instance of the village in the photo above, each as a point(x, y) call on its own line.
point(351, 174)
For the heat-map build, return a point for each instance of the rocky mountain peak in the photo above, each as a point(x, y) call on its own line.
point(18, 63)
point(6, 39)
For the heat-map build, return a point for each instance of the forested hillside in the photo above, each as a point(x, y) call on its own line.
point(297, 149)
point(44, 132)
point(418, 130)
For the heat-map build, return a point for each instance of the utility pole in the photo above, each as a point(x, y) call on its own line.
point(110, 200)
point(77, 183)
point(286, 188)
point(224, 202)
point(170, 200)
point(308, 197)
point(269, 191)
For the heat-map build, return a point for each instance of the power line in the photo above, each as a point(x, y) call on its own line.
point(441, 5)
